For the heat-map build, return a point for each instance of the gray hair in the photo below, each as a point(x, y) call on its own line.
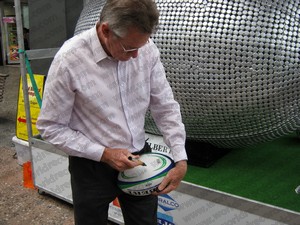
point(123, 14)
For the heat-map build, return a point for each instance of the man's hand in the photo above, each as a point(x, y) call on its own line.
point(173, 178)
point(118, 158)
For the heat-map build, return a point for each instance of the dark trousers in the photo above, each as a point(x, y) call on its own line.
point(94, 186)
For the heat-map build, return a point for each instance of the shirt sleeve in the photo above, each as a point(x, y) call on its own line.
point(55, 114)
point(166, 112)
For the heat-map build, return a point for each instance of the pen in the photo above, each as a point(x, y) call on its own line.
point(139, 161)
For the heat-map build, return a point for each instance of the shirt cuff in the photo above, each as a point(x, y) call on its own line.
point(94, 152)
point(179, 153)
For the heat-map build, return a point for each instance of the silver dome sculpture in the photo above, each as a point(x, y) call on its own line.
point(234, 66)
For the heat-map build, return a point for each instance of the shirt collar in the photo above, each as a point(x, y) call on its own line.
point(97, 49)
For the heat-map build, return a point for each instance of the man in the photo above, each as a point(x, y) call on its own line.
point(98, 89)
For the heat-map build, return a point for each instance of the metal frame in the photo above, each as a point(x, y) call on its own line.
point(31, 54)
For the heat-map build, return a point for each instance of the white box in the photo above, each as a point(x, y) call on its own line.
point(22, 150)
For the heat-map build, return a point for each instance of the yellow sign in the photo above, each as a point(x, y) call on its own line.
point(21, 127)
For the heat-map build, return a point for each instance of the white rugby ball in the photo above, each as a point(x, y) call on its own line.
point(143, 180)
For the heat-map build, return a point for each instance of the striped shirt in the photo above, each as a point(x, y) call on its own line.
point(92, 101)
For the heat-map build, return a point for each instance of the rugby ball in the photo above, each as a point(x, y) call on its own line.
point(143, 180)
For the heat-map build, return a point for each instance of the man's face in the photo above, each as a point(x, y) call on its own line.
point(124, 48)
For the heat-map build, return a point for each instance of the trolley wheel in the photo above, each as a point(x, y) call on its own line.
point(41, 192)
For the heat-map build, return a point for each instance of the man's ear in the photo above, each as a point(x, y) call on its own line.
point(105, 30)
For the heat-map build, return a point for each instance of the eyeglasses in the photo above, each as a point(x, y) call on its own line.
point(124, 49)
point(130, 50)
